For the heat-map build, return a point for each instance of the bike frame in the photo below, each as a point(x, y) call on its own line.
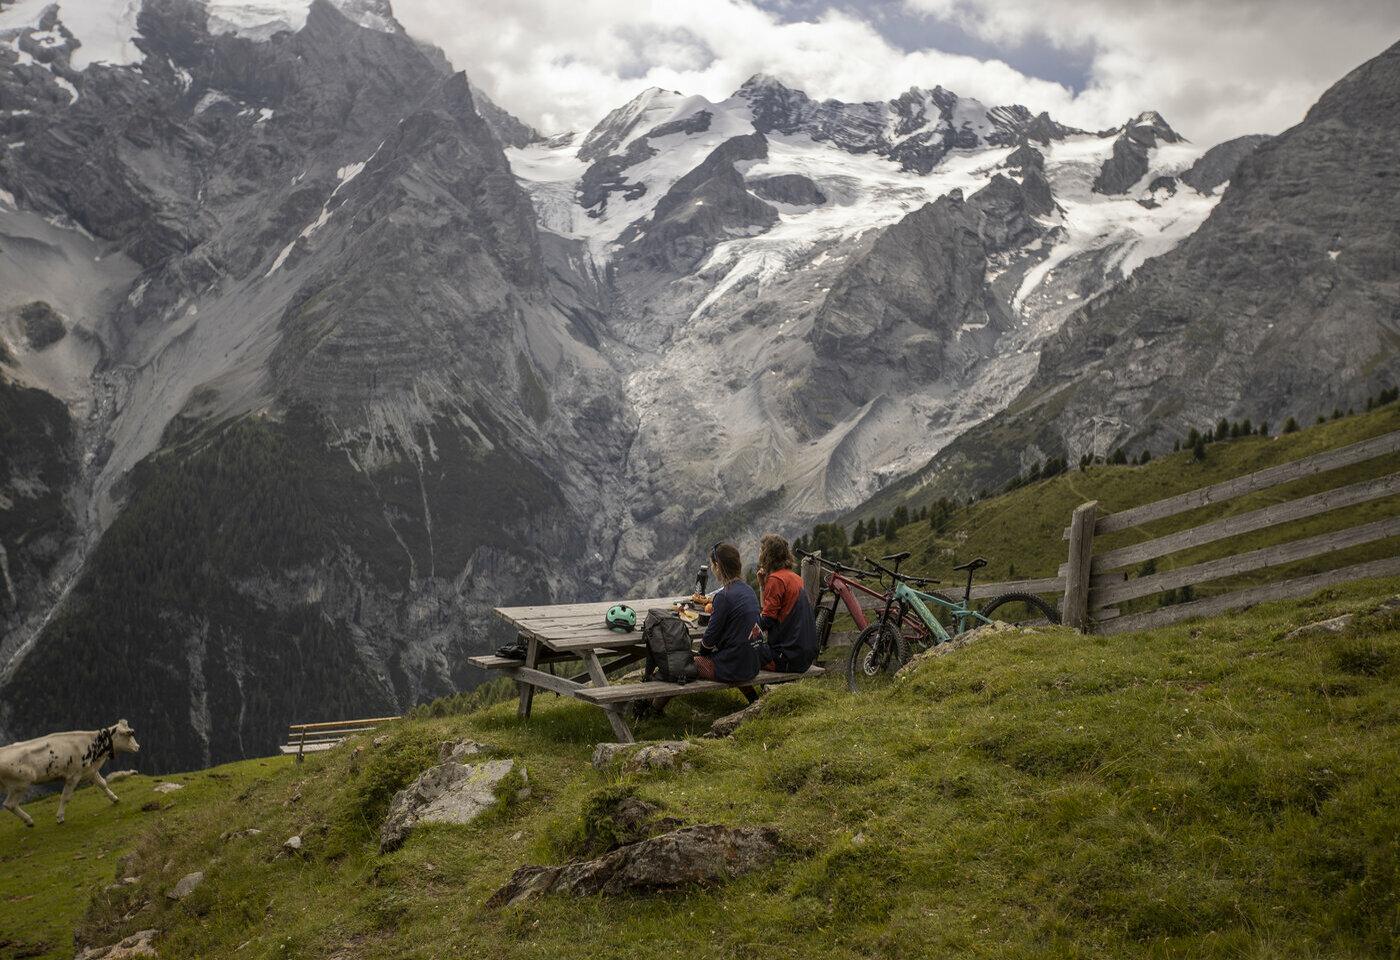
point(843, 590)
point(907, 599)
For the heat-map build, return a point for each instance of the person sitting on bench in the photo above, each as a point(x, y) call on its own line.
point(786, 615)
point(726, 652)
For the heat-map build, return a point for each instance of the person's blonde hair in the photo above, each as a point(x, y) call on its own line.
point(774, 553)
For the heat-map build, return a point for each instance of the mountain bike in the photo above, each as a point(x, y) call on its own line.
point(881, 649)
point(842, 584)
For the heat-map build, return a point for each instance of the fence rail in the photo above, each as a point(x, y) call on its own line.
point(307, 738)
point(1090, 589)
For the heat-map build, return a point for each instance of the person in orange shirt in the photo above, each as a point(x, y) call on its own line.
point(786, 619)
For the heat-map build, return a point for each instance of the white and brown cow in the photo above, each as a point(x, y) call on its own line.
point(62, 756)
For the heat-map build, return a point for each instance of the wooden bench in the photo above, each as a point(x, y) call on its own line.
point(575, 634)
point(649, 690)
point(307, 738)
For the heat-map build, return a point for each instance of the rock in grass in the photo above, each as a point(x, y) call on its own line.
point(960, 641)
point(730, 722)
point(1322, 627)
point(690, 855)
point(447, 793)
point(459, 749)
point(640, 757)
point(187, 885)
point(139, 944)
point(167, 787)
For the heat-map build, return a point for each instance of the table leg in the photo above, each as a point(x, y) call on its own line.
point(527, 691)
point(600, 679)
point(612, 666)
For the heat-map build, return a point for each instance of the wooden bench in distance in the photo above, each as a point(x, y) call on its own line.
point(314, 737)
point(627, 692)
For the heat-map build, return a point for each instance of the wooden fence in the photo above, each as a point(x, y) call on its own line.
point(1095, 582)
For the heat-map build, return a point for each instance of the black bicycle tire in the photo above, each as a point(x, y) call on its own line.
point(901, 650)
point(823, 620)
point(1031, 599)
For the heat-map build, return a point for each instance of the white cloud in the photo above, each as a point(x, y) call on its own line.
point(1215, 68)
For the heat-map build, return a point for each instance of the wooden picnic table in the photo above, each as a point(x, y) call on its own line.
point(574, 633)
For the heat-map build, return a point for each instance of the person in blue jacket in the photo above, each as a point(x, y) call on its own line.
point(726, 651)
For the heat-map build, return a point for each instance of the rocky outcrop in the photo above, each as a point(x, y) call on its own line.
point(508, 129)
point(188, 884)
point(920, 283)
point(791, 188)
point(727, 724)
point(961, 642)
point(1129, 161)
point(690, 855)
point(450, 792)
point(139, 944)
point(916, 129)
point(709, 204)
point(1218, 164)
point(322, 250)
point(644, 757)
point(1282, 304)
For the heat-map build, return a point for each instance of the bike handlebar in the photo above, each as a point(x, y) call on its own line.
point(835, 565)
point(921, 581)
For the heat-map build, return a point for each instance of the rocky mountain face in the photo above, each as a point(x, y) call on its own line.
point(318, 388)
point(1286, 302)
point(312, 354)
point(827, 293)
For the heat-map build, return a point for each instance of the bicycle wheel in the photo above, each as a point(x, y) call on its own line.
point(1022, 609)
point(876, 657)
point(823, 620)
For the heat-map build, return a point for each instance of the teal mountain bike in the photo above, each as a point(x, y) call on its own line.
point(882, 647)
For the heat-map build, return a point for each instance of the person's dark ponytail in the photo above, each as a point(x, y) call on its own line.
point(727, 562)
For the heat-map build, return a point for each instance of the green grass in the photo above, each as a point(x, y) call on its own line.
point(48, 873)
point(1021, 532)
point(1205, 790)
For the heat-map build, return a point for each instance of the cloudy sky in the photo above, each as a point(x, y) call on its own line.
point(1214, 68)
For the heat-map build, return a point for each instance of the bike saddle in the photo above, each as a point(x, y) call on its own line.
point(977, 564)
point(897, 557)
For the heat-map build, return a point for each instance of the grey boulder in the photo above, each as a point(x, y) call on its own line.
point(730, 722)
point(187, 885)
point(139, 944)
point(690, 855)
point(447, 793)
point(638, 758)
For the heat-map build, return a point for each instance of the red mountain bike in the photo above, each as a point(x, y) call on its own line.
point(842, 584)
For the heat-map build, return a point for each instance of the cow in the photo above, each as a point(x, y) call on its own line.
point(62, 756)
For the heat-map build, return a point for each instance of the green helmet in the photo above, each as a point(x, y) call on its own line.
point(621, 618)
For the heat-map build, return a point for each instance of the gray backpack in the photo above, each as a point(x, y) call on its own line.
point(668, 648)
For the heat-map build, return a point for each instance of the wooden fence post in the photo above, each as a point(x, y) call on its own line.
point(1075, 612)
point(812, 575)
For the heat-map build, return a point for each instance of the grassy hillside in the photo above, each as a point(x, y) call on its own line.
point(48, 873)
point(1021, 532)
point(1206, 790)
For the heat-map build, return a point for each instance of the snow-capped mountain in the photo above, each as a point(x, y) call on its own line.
point(310, 354)
point(290, 395)
point(1285, 303)
point(834, 291)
